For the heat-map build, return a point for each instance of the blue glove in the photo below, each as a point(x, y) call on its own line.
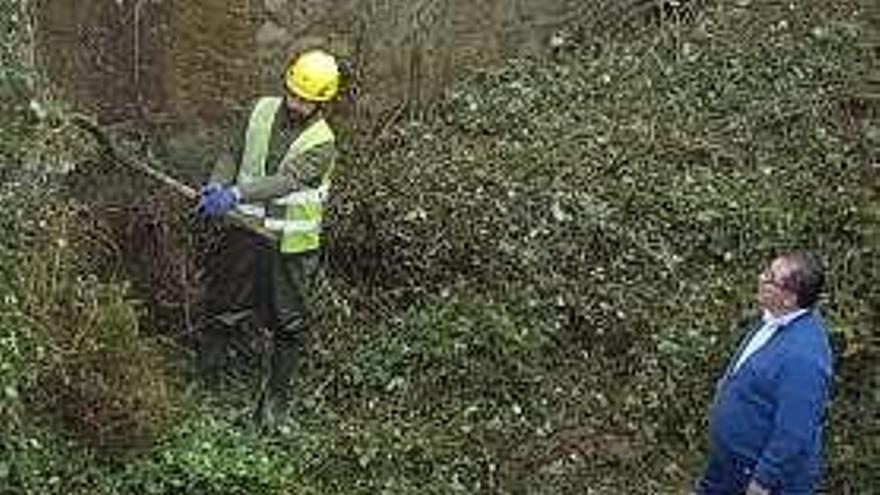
point(217, 199)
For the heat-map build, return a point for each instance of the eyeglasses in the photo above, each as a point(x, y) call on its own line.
point(768, 277)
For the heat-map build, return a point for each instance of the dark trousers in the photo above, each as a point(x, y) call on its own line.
point(729, 474)
point(281, 284)
point(725, 474)
point(249, 282)
point(245, 272)
point(281, 289)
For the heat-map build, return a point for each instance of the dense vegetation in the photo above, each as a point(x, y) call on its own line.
point(530, 289)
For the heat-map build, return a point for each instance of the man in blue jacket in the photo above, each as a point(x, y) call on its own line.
point(765, 423)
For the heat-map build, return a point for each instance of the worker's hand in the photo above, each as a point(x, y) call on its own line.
point(755, 488)
point(216, 199)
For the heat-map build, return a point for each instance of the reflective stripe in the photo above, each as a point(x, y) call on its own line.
point(300, 220)
point(305, 196)
point(259, 130)
point(252, 210)
point(318, 132)
point(293, 226)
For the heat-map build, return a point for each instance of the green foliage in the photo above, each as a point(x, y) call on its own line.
point(35, 461)
point(78, 378)
point(19, 349)
point(35, 135)
point(208, 456)
point(94, 370)
point(17, 77)
point(203, 456)
point(74, 363)
point(532, 292)
point(625, 194)
point(448, 343)
point(475, 394)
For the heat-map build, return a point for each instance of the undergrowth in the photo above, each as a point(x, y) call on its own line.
point(530, 290)
point(624, 195)
point(78, 377)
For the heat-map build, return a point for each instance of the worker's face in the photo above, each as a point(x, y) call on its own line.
point(774, 293)
point(298, 107)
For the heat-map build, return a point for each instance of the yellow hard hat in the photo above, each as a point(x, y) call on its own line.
point(313, 76)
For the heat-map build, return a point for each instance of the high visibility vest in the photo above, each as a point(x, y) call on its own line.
point(296, 216)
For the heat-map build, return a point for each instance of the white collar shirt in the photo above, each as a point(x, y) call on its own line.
point(765, 333)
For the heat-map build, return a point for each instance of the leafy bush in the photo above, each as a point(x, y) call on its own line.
point(207, 456)
point(73, 362)
point(73, 349)
point(624, 193)
point(531, 291)
point(17, 77)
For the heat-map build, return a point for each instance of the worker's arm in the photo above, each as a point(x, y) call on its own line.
point(224, 157)
point(224, 169)
point(302, 172)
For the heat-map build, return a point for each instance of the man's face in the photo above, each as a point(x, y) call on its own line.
point(298, 107)
point(774, 294)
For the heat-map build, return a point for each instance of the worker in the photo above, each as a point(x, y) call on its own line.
point(278, 177)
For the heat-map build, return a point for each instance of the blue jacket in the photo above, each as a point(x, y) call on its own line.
point(769, 412)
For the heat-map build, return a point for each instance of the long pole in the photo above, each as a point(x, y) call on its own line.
point(161, 177)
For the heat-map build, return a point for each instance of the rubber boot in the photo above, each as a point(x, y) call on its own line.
point(214, 341)
point(273, 404)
